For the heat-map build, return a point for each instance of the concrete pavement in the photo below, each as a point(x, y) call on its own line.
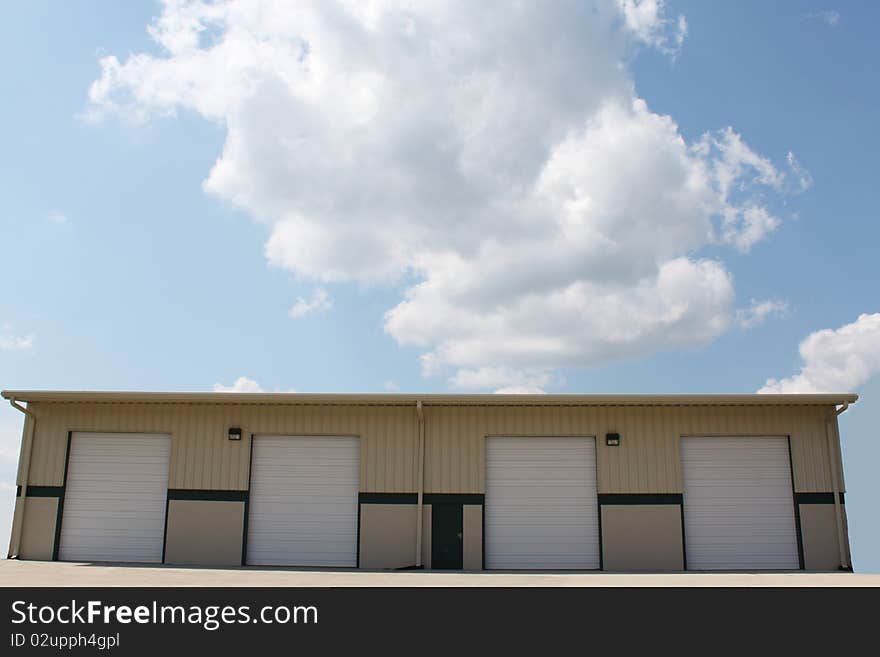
point(48, 573)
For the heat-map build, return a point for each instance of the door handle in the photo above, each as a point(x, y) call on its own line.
point(459, 536)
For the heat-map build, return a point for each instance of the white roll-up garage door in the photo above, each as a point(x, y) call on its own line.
point(541, 503)
point(738, 504)
point(115, 497)
point(304, 501)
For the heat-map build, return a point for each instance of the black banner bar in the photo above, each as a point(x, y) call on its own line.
point(248, 621)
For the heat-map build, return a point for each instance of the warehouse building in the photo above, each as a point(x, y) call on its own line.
point(472, 482)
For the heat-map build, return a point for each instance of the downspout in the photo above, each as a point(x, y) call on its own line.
point(24, 460)
point(835, 487)
point(420, 482)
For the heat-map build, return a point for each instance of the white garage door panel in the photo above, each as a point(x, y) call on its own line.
point(303, 501)
point(541, 504)
point(115, 494)
point(738, 504)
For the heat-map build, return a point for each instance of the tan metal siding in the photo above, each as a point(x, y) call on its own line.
point(19, 476)
point(203, 458)
point(835, 440)
point(647, 460)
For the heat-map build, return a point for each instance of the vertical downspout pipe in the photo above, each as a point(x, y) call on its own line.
point(24, 460)
point(835, 486)
point(420, 477)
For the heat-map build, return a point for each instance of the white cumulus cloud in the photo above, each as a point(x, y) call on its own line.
point(320, 301)
point(505, 380)
point(802, 176)
point(9, 341)
point(646, 19)
point(760, 311)
point(520, 390)
point(244, 384)
point(241, 384)
point(835, 360)
point(496, 156)
point(831, 17)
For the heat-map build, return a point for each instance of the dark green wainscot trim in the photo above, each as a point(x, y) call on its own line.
point(817, 498)
point(41, 491)
point(207, 495)
point(388, 498)
point(606, 499)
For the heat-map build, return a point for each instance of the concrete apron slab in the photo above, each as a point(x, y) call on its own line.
point(43, 573)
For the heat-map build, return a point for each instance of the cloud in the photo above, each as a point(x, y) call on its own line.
point(734, 168)
point(11, 342)
point(759, 311)
point(829, 16)
point(57, 217)
point(391, 386)
point(646, 19)
point(493, 159)
point(747, 228)
point(803, 177)
point(835, 360)
point(320, 302)
point(242, 384)
point(519, 390)
point(505, 380)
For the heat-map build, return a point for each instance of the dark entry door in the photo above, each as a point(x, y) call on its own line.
point(446, 536)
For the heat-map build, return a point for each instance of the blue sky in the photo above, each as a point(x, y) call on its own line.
point(396, 184)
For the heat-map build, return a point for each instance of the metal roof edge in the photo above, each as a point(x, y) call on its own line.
point(399, 399)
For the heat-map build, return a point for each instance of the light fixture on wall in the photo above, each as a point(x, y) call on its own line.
point(234, 433)
point(612, 439)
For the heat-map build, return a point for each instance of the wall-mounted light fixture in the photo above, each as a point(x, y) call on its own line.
point(612, 439)
point(234, 433)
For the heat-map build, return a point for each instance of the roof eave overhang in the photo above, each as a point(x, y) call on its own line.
point(396, 399)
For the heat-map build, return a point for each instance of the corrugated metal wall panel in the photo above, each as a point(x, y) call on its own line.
point(647, 460)
point(19, 477)
point(837, 446)
point(203, 458)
